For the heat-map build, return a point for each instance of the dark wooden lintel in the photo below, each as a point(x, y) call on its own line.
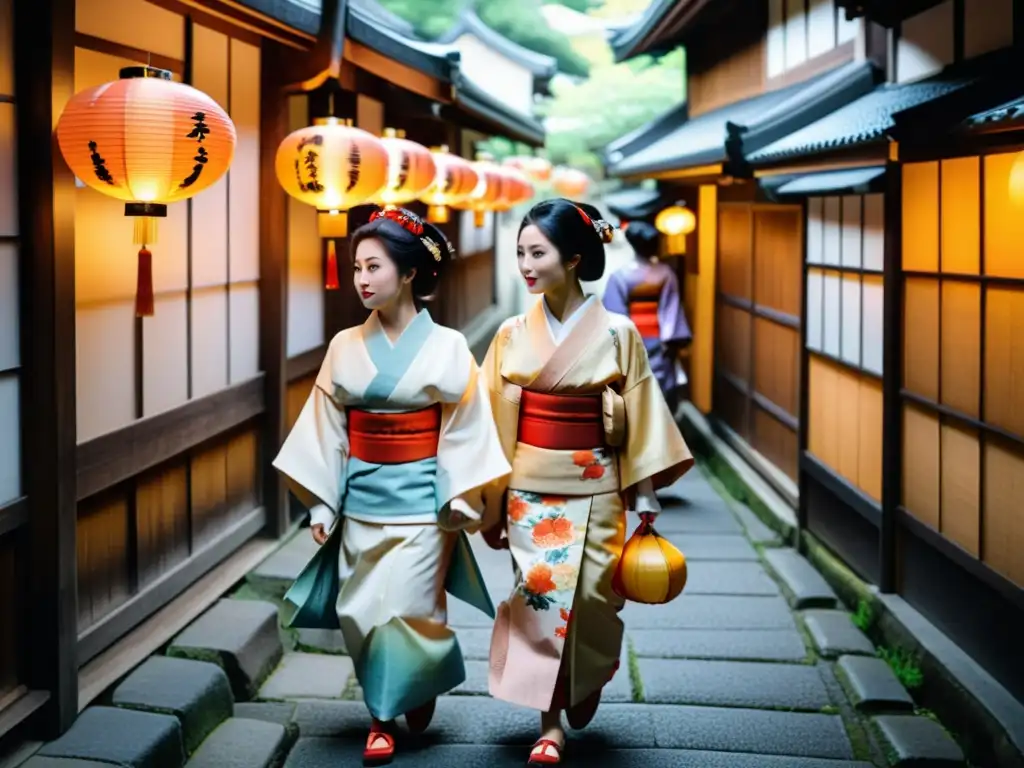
point(305, 363)
point(108, 460)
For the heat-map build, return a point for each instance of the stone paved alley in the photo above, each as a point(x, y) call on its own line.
point(755, 665)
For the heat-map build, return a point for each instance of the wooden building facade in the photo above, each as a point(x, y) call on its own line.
point(135, 478)
point(866, 272)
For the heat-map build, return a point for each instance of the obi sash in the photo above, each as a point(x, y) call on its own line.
point(394, 438)
point(644, 314)
point(561, 422)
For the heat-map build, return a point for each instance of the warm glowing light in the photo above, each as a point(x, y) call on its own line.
point(411, 169)
point(675, 220)
point(454, 182)
point(148, 141)
point(490, 189)
point(332, 166)
point(1017, 181)
point(569, 182)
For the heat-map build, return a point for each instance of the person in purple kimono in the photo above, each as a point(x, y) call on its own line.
point(647, 290)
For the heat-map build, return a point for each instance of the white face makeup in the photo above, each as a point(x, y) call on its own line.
point(540, 263)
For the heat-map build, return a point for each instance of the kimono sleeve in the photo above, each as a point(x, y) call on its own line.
point(615, 297)
point(654, 447)
point(469, 453)
point(313, 456)
point(505, 410)
point(671, 317)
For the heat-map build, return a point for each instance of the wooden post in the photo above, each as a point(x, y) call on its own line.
point(273, 288)
point(892, 373)
point(44, 41)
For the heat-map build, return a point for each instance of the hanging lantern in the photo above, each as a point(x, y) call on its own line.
point(537, 168)
point(515, 161)
point(454, 181)
point(650, 570)
point(332, 166)
point(1017, 181)
point(410, 170)
point(675, 223)
point(570, 183)
point(149, 141)
point(490, 188)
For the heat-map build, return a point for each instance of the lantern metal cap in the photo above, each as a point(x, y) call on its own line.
point(439, 148)
point(345, 121)
point(127, 73)
point(394, 133)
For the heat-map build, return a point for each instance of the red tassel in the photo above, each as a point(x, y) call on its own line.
point(144, 288)
point(332, 267)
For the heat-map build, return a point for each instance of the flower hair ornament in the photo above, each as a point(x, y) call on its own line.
point(604, 230)
point(413, 224)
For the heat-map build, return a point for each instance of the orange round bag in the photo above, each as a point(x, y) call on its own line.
point(651, 570)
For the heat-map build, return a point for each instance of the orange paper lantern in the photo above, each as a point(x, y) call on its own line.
point(148, 141)
point(332, 166)
point(411, 169)
point(570, 183)
point(490, 188)
point(537, 168)
point(454, 181)
point(651, 570)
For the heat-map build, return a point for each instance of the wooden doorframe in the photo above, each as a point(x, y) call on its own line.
point(44, 50)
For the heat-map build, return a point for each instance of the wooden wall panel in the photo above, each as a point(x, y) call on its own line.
point(735, 250)
point(161, 503)
point(739, 75)
point(920, 247)
point(776, 442)
point(1003, 225)
point(298, 393)
point(1003, 528)
point(104, 556)
point(778, 253)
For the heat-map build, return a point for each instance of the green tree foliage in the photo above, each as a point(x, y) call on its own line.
point(617, 98)
point(583, 6)
point(522, 22)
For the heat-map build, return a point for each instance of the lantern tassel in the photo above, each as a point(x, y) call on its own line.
point(332, 283)
point(479, 218)
point(144, 288)
point(145, 234)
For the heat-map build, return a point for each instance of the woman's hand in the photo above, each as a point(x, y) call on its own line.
point(495, 537)
point(319, 534)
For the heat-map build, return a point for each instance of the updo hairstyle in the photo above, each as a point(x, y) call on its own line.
point(411, 243)
point(643, 238)
point(575, 229)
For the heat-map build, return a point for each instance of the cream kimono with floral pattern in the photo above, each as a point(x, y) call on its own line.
point(558, 637)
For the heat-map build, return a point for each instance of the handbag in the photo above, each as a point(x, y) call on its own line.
point(651, 569)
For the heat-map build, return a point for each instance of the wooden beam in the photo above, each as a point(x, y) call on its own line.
point(44, 53)
point(305, 363)
point(113, 458)
point(396, 72)
point(273, 287)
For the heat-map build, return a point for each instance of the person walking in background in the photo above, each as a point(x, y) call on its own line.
point(647, 290)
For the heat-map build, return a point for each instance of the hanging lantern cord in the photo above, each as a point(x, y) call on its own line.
point(146, 215)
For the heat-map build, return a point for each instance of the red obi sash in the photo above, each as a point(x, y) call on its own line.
point(394, 438)
point(644, 314)
point(561, 422)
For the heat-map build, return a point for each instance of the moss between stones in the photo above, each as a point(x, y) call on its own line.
point(636, 683)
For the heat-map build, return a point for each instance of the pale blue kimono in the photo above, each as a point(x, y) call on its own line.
point(397, 669)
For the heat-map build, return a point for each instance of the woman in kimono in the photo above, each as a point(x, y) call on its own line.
point(396, 440)
point(587, 432)
point(648, 291)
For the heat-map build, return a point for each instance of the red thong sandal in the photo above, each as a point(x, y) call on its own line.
point(539, 753)
point(378, 755)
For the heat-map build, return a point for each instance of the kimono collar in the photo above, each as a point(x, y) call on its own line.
point(560, 329)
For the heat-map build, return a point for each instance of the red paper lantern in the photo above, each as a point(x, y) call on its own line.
point(537, 168)
point(490, 188)
point(148, 141)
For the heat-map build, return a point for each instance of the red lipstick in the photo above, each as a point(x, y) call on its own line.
point(530, 281)
point(366, 294)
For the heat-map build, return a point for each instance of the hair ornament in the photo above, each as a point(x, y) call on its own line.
point(604, 230)
point(412, 224)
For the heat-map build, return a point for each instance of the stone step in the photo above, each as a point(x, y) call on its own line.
point(239, 635)
point(60, 762)
point(912, 740)
point(241, 743)
point(308, 676)
point(757, 685)
point(758, 532)
point(275, 575)
point(119, 736)
point(749, 644)
point(872, 685)
point(329, 753)
point(807, 588)
point(196, 692)
point(835, 634)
